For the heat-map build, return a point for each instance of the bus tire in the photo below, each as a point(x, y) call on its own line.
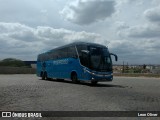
point(46, 76)
point(93, 82)
point(74, 78)
point(43, 76)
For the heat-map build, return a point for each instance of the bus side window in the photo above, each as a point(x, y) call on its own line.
point(72, 52)
point(53, 55)
point(64, 52)
point(83, 57)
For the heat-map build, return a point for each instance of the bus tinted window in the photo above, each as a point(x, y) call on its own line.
point(72, 51)
point(83, 58)
point(81, 47)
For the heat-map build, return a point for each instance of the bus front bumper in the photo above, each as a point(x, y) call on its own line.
point(104, 78)
point(101, 76)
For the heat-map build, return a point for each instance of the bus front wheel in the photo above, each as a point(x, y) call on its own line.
point(93, 82)
point(74, 78)
point(43, 76)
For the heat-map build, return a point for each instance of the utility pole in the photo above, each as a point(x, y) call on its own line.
point(127, 68)
point(123, 67)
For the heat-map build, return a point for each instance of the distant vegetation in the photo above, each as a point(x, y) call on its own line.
point(12, 62)
point(138, 69)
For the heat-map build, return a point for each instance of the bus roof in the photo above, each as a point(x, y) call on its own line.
point(74, 44)
point(80, 43)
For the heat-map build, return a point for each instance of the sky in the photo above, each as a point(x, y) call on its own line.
point(129, 28)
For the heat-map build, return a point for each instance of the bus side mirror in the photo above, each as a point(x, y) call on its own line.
point(116, 57)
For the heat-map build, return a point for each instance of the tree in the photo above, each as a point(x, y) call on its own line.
point(12, 62)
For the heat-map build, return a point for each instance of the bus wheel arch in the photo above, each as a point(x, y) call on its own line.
point(74, 77)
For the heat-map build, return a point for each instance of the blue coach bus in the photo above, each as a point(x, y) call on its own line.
point(79, 61)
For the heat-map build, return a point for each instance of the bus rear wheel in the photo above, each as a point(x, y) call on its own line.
point(43, 76)
point(74, 78)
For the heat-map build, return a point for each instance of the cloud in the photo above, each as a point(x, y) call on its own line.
point(84, 12)
point(145, 31)
point(121, 25)
point(132, 50)
point(26, 42)
point(65, 36)
point(153, 14)
point(146, 27)
point(32, 13)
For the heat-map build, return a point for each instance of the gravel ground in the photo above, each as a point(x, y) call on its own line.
point(29, 93)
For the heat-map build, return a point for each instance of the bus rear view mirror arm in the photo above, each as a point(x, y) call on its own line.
point(116, 57)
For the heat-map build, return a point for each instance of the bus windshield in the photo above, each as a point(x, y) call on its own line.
point(100, 59)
